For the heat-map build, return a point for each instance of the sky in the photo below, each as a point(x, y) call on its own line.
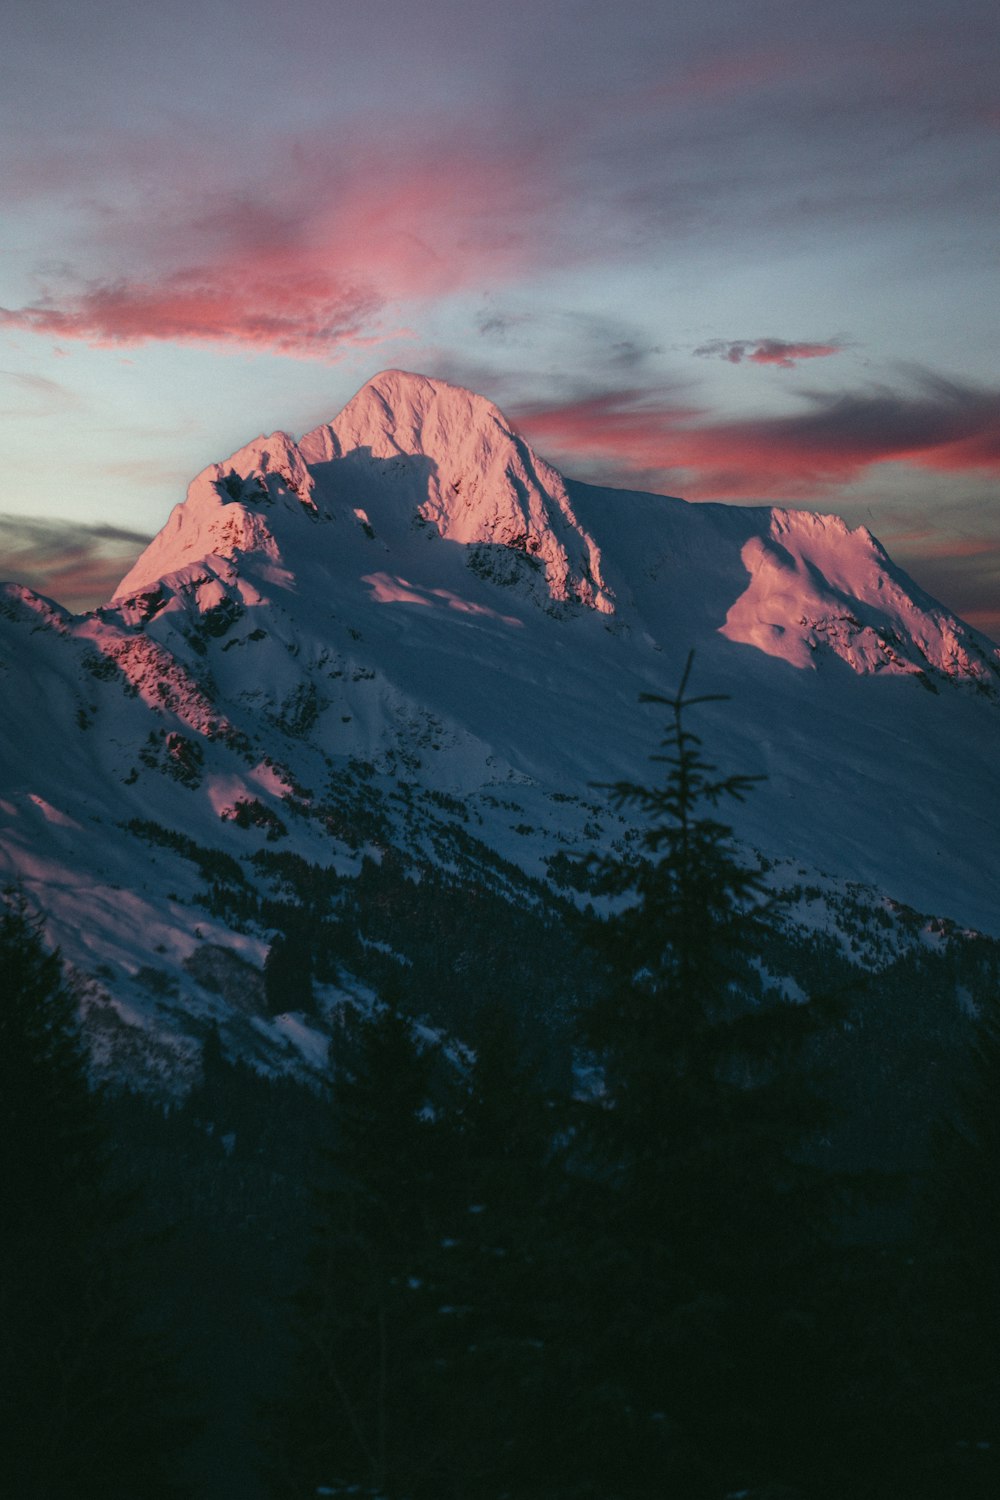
point(746, 251)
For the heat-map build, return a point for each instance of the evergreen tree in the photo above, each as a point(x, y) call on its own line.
point(432, 1362)
point(288, 968)
point(697, 1146)
point(957, 1313)
point(501, 1373)
point(371, 1319)
point(88, 1405)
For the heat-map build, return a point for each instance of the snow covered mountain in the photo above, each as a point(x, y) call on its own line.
point(408, 630)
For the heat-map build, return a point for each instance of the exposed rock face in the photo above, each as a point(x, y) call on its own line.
point(406, 450)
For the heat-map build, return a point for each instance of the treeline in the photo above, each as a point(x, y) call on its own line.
point(656, 1286)
point(457, 1274)
point(451, 941)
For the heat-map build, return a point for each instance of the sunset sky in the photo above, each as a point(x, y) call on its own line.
point(745, 251)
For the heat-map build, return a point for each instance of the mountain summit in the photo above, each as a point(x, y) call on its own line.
point(406, 452)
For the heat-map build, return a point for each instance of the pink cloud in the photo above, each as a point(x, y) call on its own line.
point(304, 264)
point(208, 305)
point(831, 441)
point(767, 351)
point(681, 449)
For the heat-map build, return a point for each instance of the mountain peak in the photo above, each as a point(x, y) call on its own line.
point(815, 586)
point(397, 412)
point(406, 451)
point(227, 511)
point(417, 449)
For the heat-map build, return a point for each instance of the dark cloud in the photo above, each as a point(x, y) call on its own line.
point(831, 440)
point(768, 351)
point(498, 325)
point(76, 564)
point(610, 346)
point(945, 425)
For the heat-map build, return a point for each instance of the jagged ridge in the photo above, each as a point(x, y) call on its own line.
point(406, 450)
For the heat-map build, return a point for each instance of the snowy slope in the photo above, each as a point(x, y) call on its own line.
point(410, 595)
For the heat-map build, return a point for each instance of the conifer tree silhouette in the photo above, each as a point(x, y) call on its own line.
point(698, 1138)
point(88, 1400)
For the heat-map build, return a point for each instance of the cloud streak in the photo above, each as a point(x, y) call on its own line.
point(304, 314)
point(44, 397)
point(79, 565)
point(832, 440)
point(767, 351)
